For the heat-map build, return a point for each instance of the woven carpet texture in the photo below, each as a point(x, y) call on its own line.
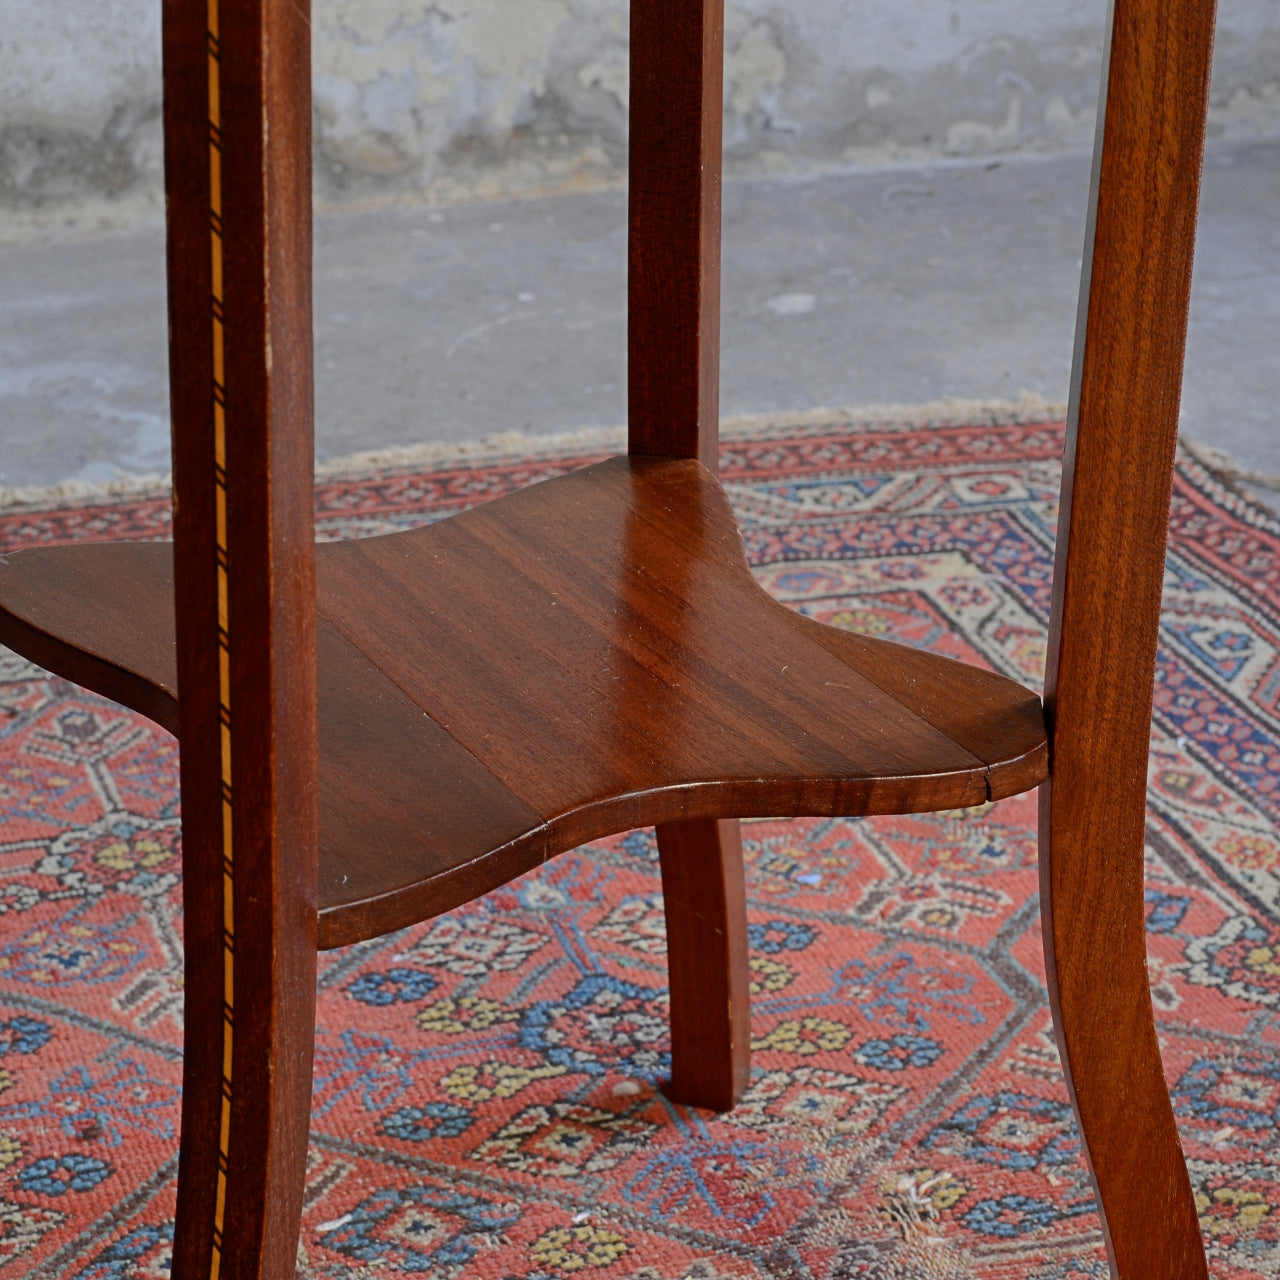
point(488, 1085)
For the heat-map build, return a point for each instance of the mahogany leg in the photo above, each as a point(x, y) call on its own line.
point(1104, 627)
point(706, 908)
point(673, 339)
point(1095, 953)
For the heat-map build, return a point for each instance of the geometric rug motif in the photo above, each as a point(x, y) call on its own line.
point(488, 1085)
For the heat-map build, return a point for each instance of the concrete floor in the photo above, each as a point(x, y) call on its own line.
point(858, 288)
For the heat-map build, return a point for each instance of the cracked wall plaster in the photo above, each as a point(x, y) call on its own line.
point(463, 98)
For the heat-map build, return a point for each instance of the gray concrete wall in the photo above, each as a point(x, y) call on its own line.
point(464, 98)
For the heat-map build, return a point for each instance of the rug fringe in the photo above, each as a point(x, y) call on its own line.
point(1027, 408)
point(1222, 463)
point(68, 492)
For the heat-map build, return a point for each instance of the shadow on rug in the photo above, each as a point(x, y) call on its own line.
point(488, 1093)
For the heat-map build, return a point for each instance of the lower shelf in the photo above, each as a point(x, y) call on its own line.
point(587, 655)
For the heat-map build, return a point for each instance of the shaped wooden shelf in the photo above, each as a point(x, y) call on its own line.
point(585, 656)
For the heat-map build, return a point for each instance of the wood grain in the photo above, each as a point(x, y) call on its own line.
point(237, 153)
point(588, 655)
point(1121, 436)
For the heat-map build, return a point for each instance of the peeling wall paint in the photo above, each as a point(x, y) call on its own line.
point(462, 98)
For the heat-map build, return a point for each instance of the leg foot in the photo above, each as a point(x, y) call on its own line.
point(1095, 953)
point(702, 886)
point(246, 1085)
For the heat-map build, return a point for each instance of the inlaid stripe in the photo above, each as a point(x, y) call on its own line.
point(224, 628)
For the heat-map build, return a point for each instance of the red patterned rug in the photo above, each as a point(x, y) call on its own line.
point(488, 1086)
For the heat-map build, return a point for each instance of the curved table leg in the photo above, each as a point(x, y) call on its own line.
point(1104, 627)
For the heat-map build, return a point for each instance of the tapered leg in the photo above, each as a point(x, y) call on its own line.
point(702, 887)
